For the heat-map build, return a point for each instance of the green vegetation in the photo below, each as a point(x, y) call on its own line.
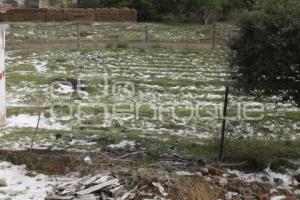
point(158, 10)
point(265, 54)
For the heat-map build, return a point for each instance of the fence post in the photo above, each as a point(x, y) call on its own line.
point(146, 33)
point(36, 130)
point(214, 32)
point(78, 34)
point(13, 37)
point(224, 124)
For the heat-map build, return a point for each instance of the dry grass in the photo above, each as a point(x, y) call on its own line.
point(179, 187)
point(193, 188)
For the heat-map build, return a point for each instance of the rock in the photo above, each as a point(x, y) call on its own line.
point(208, 179)
point(199, 174)
point(204, 171)
point(232, 176)
point(3, 183)
point(255, 187)
point(214, 171)
point(223, 182)
point(230, 195)
point(88, 160)
point(183, 173)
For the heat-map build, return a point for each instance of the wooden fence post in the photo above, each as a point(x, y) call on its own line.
point(224, 124)
point(214, 37)
point(13, 37)
point(146, 33)
point(78, 34)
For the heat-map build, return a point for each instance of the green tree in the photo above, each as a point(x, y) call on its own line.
point(266, 54)
point(206, 8)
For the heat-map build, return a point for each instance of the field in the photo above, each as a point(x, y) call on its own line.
point(153, 91)
point(114, 32)
point(131, 110)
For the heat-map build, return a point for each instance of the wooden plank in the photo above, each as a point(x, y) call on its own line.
point(98, 187)
point(55, 197)
point(88, 197)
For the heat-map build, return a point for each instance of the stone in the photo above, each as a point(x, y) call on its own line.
point(214, 171)
point(3, 183)
point(199, 174)
point(255, 187)
point(223, 182)
point(204, 171)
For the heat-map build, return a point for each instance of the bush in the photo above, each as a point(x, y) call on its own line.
point(265, 55)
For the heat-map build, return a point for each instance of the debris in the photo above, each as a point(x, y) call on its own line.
point(88, 160)
point(123, 144)
point(184, 173)
point(89, 188)
point(55, 197)
point(160, 188)
point(223, 182)
point(113, 182)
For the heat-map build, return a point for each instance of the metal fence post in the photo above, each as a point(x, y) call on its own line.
point(146, 33)
point(224, 124)
point(78, 34)
point(214, 32)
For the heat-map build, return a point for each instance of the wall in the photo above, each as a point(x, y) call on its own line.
point(104, 14)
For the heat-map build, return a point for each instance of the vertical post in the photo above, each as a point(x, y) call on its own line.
point(13, 37)
point(36, 130)
point(146, 33)
point(78, 34)
point(2, 77)
point(214, 32)
point(224, 124)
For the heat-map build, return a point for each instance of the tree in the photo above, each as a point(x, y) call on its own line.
point(206, 8)
point(265, 55)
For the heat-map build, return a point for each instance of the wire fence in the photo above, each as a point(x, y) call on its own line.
point(80, 34)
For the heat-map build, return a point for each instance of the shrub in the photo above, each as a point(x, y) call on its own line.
point(265, 55)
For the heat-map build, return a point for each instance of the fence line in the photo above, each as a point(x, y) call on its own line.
point(83, 34)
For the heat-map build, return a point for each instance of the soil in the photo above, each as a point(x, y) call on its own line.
point(52, 162)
